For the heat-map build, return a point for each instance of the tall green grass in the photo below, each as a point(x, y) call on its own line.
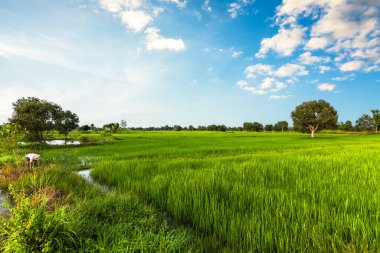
point(256, 192)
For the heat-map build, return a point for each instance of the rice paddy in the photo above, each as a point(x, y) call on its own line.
point(257, 192)
point(235, 192)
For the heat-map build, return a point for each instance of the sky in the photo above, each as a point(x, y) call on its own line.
point(198, 62)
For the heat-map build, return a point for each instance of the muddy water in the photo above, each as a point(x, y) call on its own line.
point(4, 211)
point(86, 174)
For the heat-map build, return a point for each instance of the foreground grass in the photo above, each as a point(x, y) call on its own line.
point(54, 210)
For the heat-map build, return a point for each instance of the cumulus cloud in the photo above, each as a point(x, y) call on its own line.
point(268, 85)
point(316, 43)
point(155, 41)
point(138, 17)
point(345, 29)
point(179, 3)
point(323, 69)
point(326, 87)
point(119, 5)
point(261, 69)
point(351, 66)
point(307, 59)
point(135, 20)
point(291, 70)
point(238, 7)
point(284, 42)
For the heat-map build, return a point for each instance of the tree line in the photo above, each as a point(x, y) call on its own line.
point(35, 117)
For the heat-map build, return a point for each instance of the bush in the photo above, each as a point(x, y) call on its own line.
point(32, 228)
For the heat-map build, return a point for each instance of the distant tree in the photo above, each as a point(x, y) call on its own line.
point(65, 122)
point(211, 128)
point(93, 128)
point(201, 128)
point(177, 128)
point(349, 126)
point(221, 128)
point(365, 123)
point(113, 127)
point(281, 126)
point(376, 118)
point(258, 127)
point(314, 115)
point(248, 126)
point(85, 128)
point(268, 128)
point(35, 116)
point(346, 126)
point(123, 124)
point(191, 128)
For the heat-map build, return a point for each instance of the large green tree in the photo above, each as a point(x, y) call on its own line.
point(35, 115)
point(376, 118)
point(314, 115)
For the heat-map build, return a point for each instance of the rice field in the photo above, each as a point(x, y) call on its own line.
point(255, 192)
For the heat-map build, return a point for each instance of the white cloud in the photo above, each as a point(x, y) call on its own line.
point(236, 54)
point(179, 3)
point(326, 87)
point(277, 97)
point(206, 6)
point(135, 20)
point(260, 69)
point(349, 29)
point(116, 6)
point(308, 59)
point(155, 41)
point(316, 43)
point(267, 83)
point(323, 69)
point(352, 66)
point(284, 42)
point(372, 68)
point(291, 70)
point(344, 78)
point(237, 8)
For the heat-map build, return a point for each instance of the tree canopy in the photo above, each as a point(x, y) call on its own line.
point(364, 123)
point(37, 116)
point(314, 115)
point(376, 118)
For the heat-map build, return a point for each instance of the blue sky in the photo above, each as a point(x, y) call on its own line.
point(199, 62)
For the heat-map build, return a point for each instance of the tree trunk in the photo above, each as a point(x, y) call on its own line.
point(65, 138)
point(313, 129)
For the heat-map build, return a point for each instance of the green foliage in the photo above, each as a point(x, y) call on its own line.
point(281, 126)
point(365, 123)
point(314, 115)
point(255, 126)
point(268, 128)
point(38, 116)
point(10, 135)
point(66, 121)
point(376, 118)
point(31, 228)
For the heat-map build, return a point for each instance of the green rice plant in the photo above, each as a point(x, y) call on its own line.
point(257, 192)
